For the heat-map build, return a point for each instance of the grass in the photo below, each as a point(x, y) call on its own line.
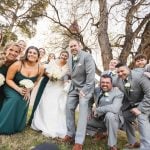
point(29, 138)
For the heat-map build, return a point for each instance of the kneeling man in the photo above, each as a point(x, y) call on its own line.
point(108, 102)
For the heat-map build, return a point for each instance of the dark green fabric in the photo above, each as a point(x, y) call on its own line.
point(3, 70)
point(13, 113)
point(38, 97)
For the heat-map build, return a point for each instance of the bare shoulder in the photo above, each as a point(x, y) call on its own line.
point(16, 65)
point(41, 68)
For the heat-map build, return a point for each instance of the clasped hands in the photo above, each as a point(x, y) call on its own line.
point(25, 92)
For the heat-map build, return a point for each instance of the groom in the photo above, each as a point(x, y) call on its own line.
point(82, 74)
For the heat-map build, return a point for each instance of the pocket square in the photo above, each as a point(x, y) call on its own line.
point(79, 64)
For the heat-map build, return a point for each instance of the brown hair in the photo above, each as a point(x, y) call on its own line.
point(140, 56)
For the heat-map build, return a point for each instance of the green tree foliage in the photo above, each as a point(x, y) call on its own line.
point(22, 15)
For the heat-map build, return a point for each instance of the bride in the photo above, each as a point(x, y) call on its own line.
point(50, 116)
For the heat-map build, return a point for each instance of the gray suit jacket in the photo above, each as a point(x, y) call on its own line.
point(110, 103)
point(83, 73)
point(139, 93)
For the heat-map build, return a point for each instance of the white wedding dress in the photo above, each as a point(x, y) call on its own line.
point(50, 115)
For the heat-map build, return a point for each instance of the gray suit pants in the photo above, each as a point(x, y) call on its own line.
point(144, 128)
point(73, 100)
point(111, 122)
point(128, 127)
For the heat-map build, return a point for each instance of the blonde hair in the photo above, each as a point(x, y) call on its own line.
point(11, 43)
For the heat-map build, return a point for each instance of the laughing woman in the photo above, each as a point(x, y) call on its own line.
point(14, 110)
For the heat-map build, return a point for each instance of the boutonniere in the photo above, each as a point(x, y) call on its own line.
point(75, 58)
point(106, 94)
point(113, 72)
point(79, 64)
point(127, 85)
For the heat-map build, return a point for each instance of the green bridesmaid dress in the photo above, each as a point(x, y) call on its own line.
point(3, 70)
point(38, 97)
point(13, 113)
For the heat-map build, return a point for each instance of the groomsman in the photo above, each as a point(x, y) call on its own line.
point(108, 101)
point(112, 67)
point(140, 61)
point(82, 74)
point(136, 103)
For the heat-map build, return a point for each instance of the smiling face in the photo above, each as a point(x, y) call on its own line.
point(51, 56)
point(105, 84)
point(12, 52)
point(123, 72)
point(140, 63)
point(32, 55)
point(112, 64)
point(74, 47)
point(42, 52)
point(64, 55)
point(23, 45)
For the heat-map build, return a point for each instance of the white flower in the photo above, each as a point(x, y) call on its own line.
point(2, 79)
point(106, 94)
point(127, 85)
point(113, 72)
point(75, 58)
point(27, 83)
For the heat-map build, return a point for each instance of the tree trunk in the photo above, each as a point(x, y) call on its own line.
point(103, 38)
point(144, 47)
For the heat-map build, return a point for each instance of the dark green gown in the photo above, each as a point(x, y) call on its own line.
point(13, 113)
point(3, 70)
point(38, 97)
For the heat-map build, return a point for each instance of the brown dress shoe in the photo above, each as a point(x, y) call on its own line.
point(131, 146)
point(68, 139)
point(114, 148)
point(100, 136)
point(77, 147)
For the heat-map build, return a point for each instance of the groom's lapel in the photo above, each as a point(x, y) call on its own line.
point(77, 62)
point(70, 64)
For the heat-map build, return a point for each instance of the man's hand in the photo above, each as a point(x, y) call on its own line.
point(81, 94)
point(90, 115)
point(135, 111)
point(95, 114)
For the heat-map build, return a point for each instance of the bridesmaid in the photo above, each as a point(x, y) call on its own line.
point(7, 57)
point(14, 110)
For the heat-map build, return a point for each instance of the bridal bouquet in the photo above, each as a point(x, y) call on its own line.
point(27, 83)
point(2, 79)
point(54, 75)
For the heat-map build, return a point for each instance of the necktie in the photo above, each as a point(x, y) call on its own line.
point(99, 98)
point(74, 60)
point(73, 63)
point(110, 74)
point(125, 81)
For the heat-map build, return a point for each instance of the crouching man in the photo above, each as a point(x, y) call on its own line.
point(106, 116)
